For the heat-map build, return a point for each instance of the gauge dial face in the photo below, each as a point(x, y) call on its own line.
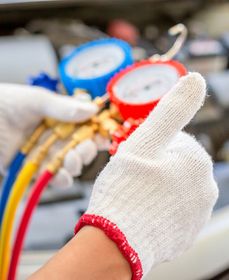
point(95, 61)
point(146, 83)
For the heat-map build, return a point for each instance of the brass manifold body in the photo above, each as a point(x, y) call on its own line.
point(102, 123)
point(60, 131)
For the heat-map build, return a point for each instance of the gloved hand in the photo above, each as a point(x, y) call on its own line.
point(23, 107)
point(158, 191)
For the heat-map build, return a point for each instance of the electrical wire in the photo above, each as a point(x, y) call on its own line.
point(31, 205)
point(9, 180)
point(17, 192)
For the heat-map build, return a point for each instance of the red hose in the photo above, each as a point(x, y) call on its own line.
point(32, 202)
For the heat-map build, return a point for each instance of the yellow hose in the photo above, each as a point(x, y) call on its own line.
point(17, 193)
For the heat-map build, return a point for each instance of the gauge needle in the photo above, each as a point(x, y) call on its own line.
point(147, 86)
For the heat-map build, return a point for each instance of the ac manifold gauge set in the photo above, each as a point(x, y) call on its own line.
point(125, 92)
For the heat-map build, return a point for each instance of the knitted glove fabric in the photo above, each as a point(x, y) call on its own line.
point(158, 191)
point(23, 107)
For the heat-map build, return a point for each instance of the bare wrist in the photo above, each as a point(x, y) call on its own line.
point(90, 255)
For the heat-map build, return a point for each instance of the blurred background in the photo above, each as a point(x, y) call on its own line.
point(35, 35)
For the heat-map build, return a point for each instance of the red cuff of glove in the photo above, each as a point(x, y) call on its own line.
point(115, 234)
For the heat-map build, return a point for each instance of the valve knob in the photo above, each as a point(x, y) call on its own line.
point(44, 80)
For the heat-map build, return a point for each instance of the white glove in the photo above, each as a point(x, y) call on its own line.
point(158, 191)
point(23, 107)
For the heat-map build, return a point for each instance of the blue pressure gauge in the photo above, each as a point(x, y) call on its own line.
point(91, 65)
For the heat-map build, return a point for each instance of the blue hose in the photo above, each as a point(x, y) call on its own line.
point(8, 181)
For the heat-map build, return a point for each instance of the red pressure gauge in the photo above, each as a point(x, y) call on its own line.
point(137, 89)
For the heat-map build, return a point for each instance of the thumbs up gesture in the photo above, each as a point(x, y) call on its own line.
point(156, 194)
